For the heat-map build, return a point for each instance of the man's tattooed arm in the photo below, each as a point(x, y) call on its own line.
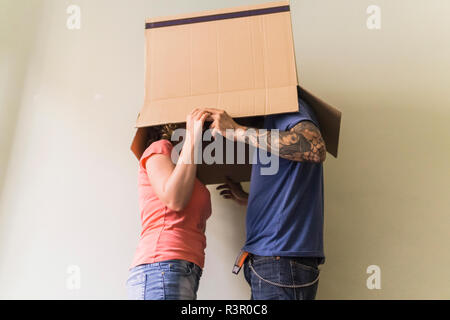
point(302, 143)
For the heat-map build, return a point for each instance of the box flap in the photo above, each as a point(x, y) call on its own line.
point(329, 120)
point(240, 60)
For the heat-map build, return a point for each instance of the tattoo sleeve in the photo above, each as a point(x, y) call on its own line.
point(302, 143)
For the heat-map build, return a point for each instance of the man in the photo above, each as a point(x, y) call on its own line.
point(284, 220)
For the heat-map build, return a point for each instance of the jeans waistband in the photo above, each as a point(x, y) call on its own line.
point(310, 261)
point(163, 265)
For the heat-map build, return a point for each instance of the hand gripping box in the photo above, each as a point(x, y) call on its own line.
point(241, 60)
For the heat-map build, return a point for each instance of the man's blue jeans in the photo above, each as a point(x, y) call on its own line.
point(282, 278)
point(167, 280)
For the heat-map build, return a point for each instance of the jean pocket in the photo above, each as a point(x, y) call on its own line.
point(136, 284)
point(136, 278)
point(181, 267)
point(305, 267)
point(304, 275)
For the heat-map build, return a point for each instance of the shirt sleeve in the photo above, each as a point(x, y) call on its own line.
point(305, 113)
point(158, 147)
point(287, 121)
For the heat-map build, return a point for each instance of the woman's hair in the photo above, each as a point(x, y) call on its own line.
point(167, 130)
point(164, 131)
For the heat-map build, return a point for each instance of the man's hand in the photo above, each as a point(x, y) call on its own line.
point(221, 122)
point(233, 190)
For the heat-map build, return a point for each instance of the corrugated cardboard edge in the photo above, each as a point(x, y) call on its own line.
point(148, 116)
point(139, 143)
point(329, 120)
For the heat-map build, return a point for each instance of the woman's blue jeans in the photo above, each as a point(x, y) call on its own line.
point(166, 280)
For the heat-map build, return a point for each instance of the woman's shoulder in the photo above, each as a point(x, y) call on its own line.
point(158, 147)
point(163, 143)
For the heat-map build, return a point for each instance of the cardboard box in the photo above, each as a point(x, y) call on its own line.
point(240, 59)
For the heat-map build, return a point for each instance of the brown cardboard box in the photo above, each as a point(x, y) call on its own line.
point(240, 59)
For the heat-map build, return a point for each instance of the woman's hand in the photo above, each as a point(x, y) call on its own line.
point(194, 125)
point(233, 190)
point(194, 130)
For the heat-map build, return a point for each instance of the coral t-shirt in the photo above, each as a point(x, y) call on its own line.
point(168, 234)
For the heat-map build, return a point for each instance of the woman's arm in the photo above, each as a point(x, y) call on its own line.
point(173, 184)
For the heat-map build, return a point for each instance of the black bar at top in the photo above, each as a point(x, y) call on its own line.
point(220, 16)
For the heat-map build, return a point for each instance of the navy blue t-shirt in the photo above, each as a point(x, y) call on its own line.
point(285, 210)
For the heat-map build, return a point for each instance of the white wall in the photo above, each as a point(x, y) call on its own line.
point(16, 41)
point(70, 198)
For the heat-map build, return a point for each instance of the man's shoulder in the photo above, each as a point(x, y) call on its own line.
point(285, 121)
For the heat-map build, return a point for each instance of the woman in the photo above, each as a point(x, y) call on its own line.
point(174, 208)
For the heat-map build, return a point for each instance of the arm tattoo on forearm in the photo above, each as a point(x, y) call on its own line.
point(302, 143)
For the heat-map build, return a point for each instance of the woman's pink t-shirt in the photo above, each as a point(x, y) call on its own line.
point(168, 234)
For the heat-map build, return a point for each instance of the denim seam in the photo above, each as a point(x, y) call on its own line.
point(144, 287)
point(279, 266)
point(305, 266)
point(293, 279)
point(163, 287)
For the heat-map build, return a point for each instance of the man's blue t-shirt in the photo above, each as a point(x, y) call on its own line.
point(285, 210)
